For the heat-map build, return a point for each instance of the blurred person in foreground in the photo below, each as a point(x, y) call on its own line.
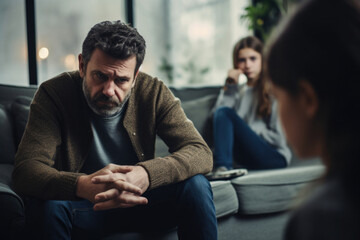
point(314, 65)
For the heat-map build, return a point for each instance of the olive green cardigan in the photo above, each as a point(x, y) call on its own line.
point(58, 135)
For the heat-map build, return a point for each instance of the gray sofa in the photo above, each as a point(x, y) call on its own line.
point(255, 206)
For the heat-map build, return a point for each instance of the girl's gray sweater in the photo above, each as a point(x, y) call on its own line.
point(244, 100)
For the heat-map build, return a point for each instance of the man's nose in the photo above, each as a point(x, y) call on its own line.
point(109, 88)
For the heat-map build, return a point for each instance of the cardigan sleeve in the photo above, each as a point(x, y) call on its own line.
point(189, 154)
point(34, 171)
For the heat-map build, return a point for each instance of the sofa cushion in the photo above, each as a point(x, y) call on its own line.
point(20, 108)
point(7, 149)
point(198, 110)
point(269, 191)
point(225, 199)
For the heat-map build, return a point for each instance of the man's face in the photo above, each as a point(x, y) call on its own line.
point(107, 82)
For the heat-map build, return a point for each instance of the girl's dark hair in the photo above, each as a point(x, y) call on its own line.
point(321, 44)
point(264, 106)
point(116, 39)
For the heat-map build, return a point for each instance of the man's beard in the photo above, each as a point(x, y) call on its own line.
point(109, 105)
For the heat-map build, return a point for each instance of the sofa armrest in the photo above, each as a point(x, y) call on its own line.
point(12, 220)
point(271, 191)
point(7, 148)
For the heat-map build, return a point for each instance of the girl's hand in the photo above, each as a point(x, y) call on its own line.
point(233, 76)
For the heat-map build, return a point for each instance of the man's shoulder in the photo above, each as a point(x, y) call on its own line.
point(146, 83)
point(64, 84)
point(144, 78)
point(151, 89)
point(65, 79)
point(65, 87)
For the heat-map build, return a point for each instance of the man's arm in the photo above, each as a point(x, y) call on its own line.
point(34, 173)
point(189, 156)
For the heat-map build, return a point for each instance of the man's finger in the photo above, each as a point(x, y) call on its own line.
point(128, 187)
point(108, 178)
point(117, 182)
point(120, 168)
point(105, 196)
point(124, 200)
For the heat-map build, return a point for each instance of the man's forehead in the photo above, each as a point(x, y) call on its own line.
point(99, 55)
point(105, 63)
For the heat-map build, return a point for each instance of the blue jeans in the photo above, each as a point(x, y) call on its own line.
point(187, 205)
point(234, 139)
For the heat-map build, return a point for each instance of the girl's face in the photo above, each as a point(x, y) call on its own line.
point(297, 114)
point(249, 61)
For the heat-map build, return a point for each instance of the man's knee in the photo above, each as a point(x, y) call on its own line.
point(47, 213)
point(196, 199)
point(54, 207)
point(45, 216)
point(198, 182)
point(198, 188)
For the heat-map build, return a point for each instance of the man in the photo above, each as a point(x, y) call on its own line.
point(86, 160)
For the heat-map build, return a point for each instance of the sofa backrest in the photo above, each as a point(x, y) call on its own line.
point(192, 93)
point(10, 115)
point(9, 93)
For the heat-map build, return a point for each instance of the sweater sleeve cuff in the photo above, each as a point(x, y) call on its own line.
point(67, 184)
point(156, 175)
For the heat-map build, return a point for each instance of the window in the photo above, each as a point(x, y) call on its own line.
point(13, 44)
point(190, 41)
point(61, 28)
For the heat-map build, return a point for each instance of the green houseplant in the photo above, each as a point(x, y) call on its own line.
point(262, 16)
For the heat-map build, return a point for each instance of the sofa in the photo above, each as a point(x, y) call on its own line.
point(254, 206)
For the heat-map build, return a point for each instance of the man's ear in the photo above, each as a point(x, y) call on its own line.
point(133, 84)
point(308, 99)
point(81, 66)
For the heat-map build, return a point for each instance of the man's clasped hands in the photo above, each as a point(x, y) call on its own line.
point(114, 186)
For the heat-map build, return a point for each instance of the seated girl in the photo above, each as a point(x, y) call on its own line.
point(245, 123)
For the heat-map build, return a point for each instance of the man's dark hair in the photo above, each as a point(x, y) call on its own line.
point(116, 39)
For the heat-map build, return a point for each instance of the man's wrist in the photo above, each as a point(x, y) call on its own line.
point(81, 182)
point(145, 176)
